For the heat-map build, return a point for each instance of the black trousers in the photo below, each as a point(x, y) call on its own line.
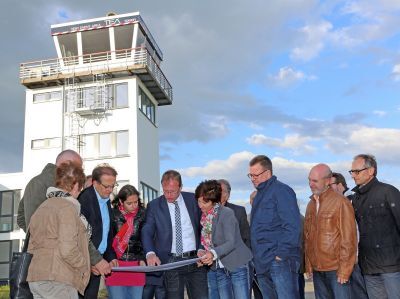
point(92, 288)
point(193, 277)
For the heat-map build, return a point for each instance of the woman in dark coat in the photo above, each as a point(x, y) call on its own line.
point(128, 215)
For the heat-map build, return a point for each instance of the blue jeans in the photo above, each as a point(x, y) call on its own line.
point(384, 285)
point(326, 286)
point(224, 284)
point(280, 280)
point(125, 292)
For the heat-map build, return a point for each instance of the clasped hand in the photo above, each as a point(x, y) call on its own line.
point(207, 258)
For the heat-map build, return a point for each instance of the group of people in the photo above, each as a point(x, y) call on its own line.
point(350, 246)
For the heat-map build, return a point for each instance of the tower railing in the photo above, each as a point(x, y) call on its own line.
point(101, 62)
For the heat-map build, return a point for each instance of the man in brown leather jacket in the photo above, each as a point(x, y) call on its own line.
point(330, 237)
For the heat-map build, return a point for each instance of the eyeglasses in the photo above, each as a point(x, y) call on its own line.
point(254, 176)
point(166, 192)
point(357, 171)
point(109, 186)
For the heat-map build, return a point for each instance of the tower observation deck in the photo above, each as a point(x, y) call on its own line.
point(98, 49)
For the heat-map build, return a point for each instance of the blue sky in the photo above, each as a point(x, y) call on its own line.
point(301, 81)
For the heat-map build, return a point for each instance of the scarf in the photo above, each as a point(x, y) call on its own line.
point(121, 240)
point(206, 222)
point(56, 192)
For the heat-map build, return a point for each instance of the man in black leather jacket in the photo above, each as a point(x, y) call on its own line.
point(377, 210)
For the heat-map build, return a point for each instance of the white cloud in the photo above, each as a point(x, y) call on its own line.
point(311, 41)
point(379, 113)
point(370, 20)
point(396, 72)
point(295, 142)
point(381, 142)
point(237, 162)
point(287, 76)
point(235, 168)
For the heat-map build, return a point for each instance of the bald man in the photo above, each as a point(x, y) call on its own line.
point(329, 237)
point(35, 191)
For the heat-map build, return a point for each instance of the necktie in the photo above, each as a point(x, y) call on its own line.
point(178, 229)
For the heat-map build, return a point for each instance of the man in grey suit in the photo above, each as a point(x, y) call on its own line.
point(240, 212)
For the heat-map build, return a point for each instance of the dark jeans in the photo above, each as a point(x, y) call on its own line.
point(357, 284)
point(254, 288)
point(383, 286)
point(149, 291)
point(302, 284)
point(92, 288)
point(193, 277)
point(280, 280)
point(326, 286)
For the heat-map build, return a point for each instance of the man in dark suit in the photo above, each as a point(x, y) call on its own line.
point(171, 232)
point(96, 207)
point(240, 212)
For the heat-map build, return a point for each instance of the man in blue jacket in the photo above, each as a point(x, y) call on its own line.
point(275, 230)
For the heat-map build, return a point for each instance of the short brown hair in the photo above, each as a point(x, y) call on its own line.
point(103, 169)
point(340, 180)
point(210, 191)
point(68, 174)
point(263, 160)
point(171, 175)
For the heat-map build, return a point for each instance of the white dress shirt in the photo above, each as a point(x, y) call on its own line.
point(188, 237)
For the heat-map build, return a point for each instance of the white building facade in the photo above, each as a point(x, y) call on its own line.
point(100, 97)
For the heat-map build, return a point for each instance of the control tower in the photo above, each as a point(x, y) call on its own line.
point(100, 97)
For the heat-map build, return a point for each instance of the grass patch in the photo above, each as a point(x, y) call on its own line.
point(4, 292)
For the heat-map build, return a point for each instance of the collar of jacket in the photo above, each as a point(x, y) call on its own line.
point(266, 184)
point(364, 189)
point(50, 168)
point(323, 195)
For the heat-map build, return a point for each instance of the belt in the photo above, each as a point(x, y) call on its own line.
point(192, 253)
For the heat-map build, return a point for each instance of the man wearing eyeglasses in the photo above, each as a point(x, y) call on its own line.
point(171, 232)
point(96, 207)
point(274, 232)
point(377, 210)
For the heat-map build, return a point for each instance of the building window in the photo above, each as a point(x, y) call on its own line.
point(9, 201)
point(147, 193)
point(101, 96)
point(121, 95)
point(47, 96)
point(6, 250)
point(147, 106)
point(46, 143)
point(122, 143)
point(105, 145)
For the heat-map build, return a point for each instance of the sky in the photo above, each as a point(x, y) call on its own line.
point(301, 81)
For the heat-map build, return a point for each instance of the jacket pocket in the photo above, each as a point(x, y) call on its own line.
point(327, 222)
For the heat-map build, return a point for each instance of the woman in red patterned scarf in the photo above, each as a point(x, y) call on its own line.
point(128, 215)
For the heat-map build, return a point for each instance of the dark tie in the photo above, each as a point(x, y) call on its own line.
point(178, 229)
